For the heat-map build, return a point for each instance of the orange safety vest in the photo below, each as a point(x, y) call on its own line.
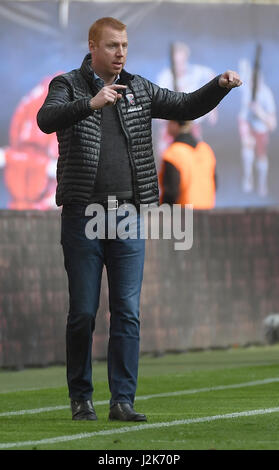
point(197, 173)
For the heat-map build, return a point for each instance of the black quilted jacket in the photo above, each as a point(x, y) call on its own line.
point(66, 111)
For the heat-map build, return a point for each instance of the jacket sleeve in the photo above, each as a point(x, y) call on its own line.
point(174, 105)
point(59, 110)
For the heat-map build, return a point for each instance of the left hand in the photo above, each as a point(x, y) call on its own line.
point(229, 80)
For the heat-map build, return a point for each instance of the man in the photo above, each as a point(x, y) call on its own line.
point(257, 120)
point(187, 173)
point(184, 75)
point(102, 117)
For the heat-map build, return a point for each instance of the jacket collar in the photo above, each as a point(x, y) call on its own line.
point(186, 138)
point(88, 73)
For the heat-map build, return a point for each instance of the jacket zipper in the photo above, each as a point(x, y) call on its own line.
point(130, 155)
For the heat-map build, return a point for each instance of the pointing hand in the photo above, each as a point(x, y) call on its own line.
point(229, 80)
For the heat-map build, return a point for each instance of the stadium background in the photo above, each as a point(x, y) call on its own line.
point(214, 295)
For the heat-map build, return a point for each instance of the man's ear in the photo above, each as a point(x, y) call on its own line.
point(91, 45)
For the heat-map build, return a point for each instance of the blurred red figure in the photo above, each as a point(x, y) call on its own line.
point(30, 161)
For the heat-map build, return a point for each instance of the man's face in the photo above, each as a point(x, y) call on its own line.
point(173, 128)
point(109, 55)
point(181, 57)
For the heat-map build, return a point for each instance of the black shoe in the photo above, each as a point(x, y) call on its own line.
point(83, 410)
point(125, 412)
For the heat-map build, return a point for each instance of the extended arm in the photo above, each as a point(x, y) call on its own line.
point(172, 105)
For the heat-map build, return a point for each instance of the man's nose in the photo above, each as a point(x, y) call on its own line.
point(120, 51)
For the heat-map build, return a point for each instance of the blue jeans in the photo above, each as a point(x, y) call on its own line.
point(84, 259)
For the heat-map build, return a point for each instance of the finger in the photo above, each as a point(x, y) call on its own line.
point(118, 97)
point(110, 95)
point(111, 99)
point(117, 87)
point(237, 82)
point(231, 77)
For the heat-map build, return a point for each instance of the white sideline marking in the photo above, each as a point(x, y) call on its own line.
point(147, 397)
point(143, 427)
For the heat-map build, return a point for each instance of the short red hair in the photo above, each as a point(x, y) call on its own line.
point(95, 30)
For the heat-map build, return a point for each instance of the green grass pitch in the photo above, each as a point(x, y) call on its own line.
point(224, 400)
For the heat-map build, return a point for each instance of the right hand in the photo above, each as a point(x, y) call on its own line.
point(107, 96)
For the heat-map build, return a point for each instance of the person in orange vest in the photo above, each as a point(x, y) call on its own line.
point(188, 170)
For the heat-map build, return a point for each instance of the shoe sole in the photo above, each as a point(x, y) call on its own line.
point(85, 419)
point(127, 420)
